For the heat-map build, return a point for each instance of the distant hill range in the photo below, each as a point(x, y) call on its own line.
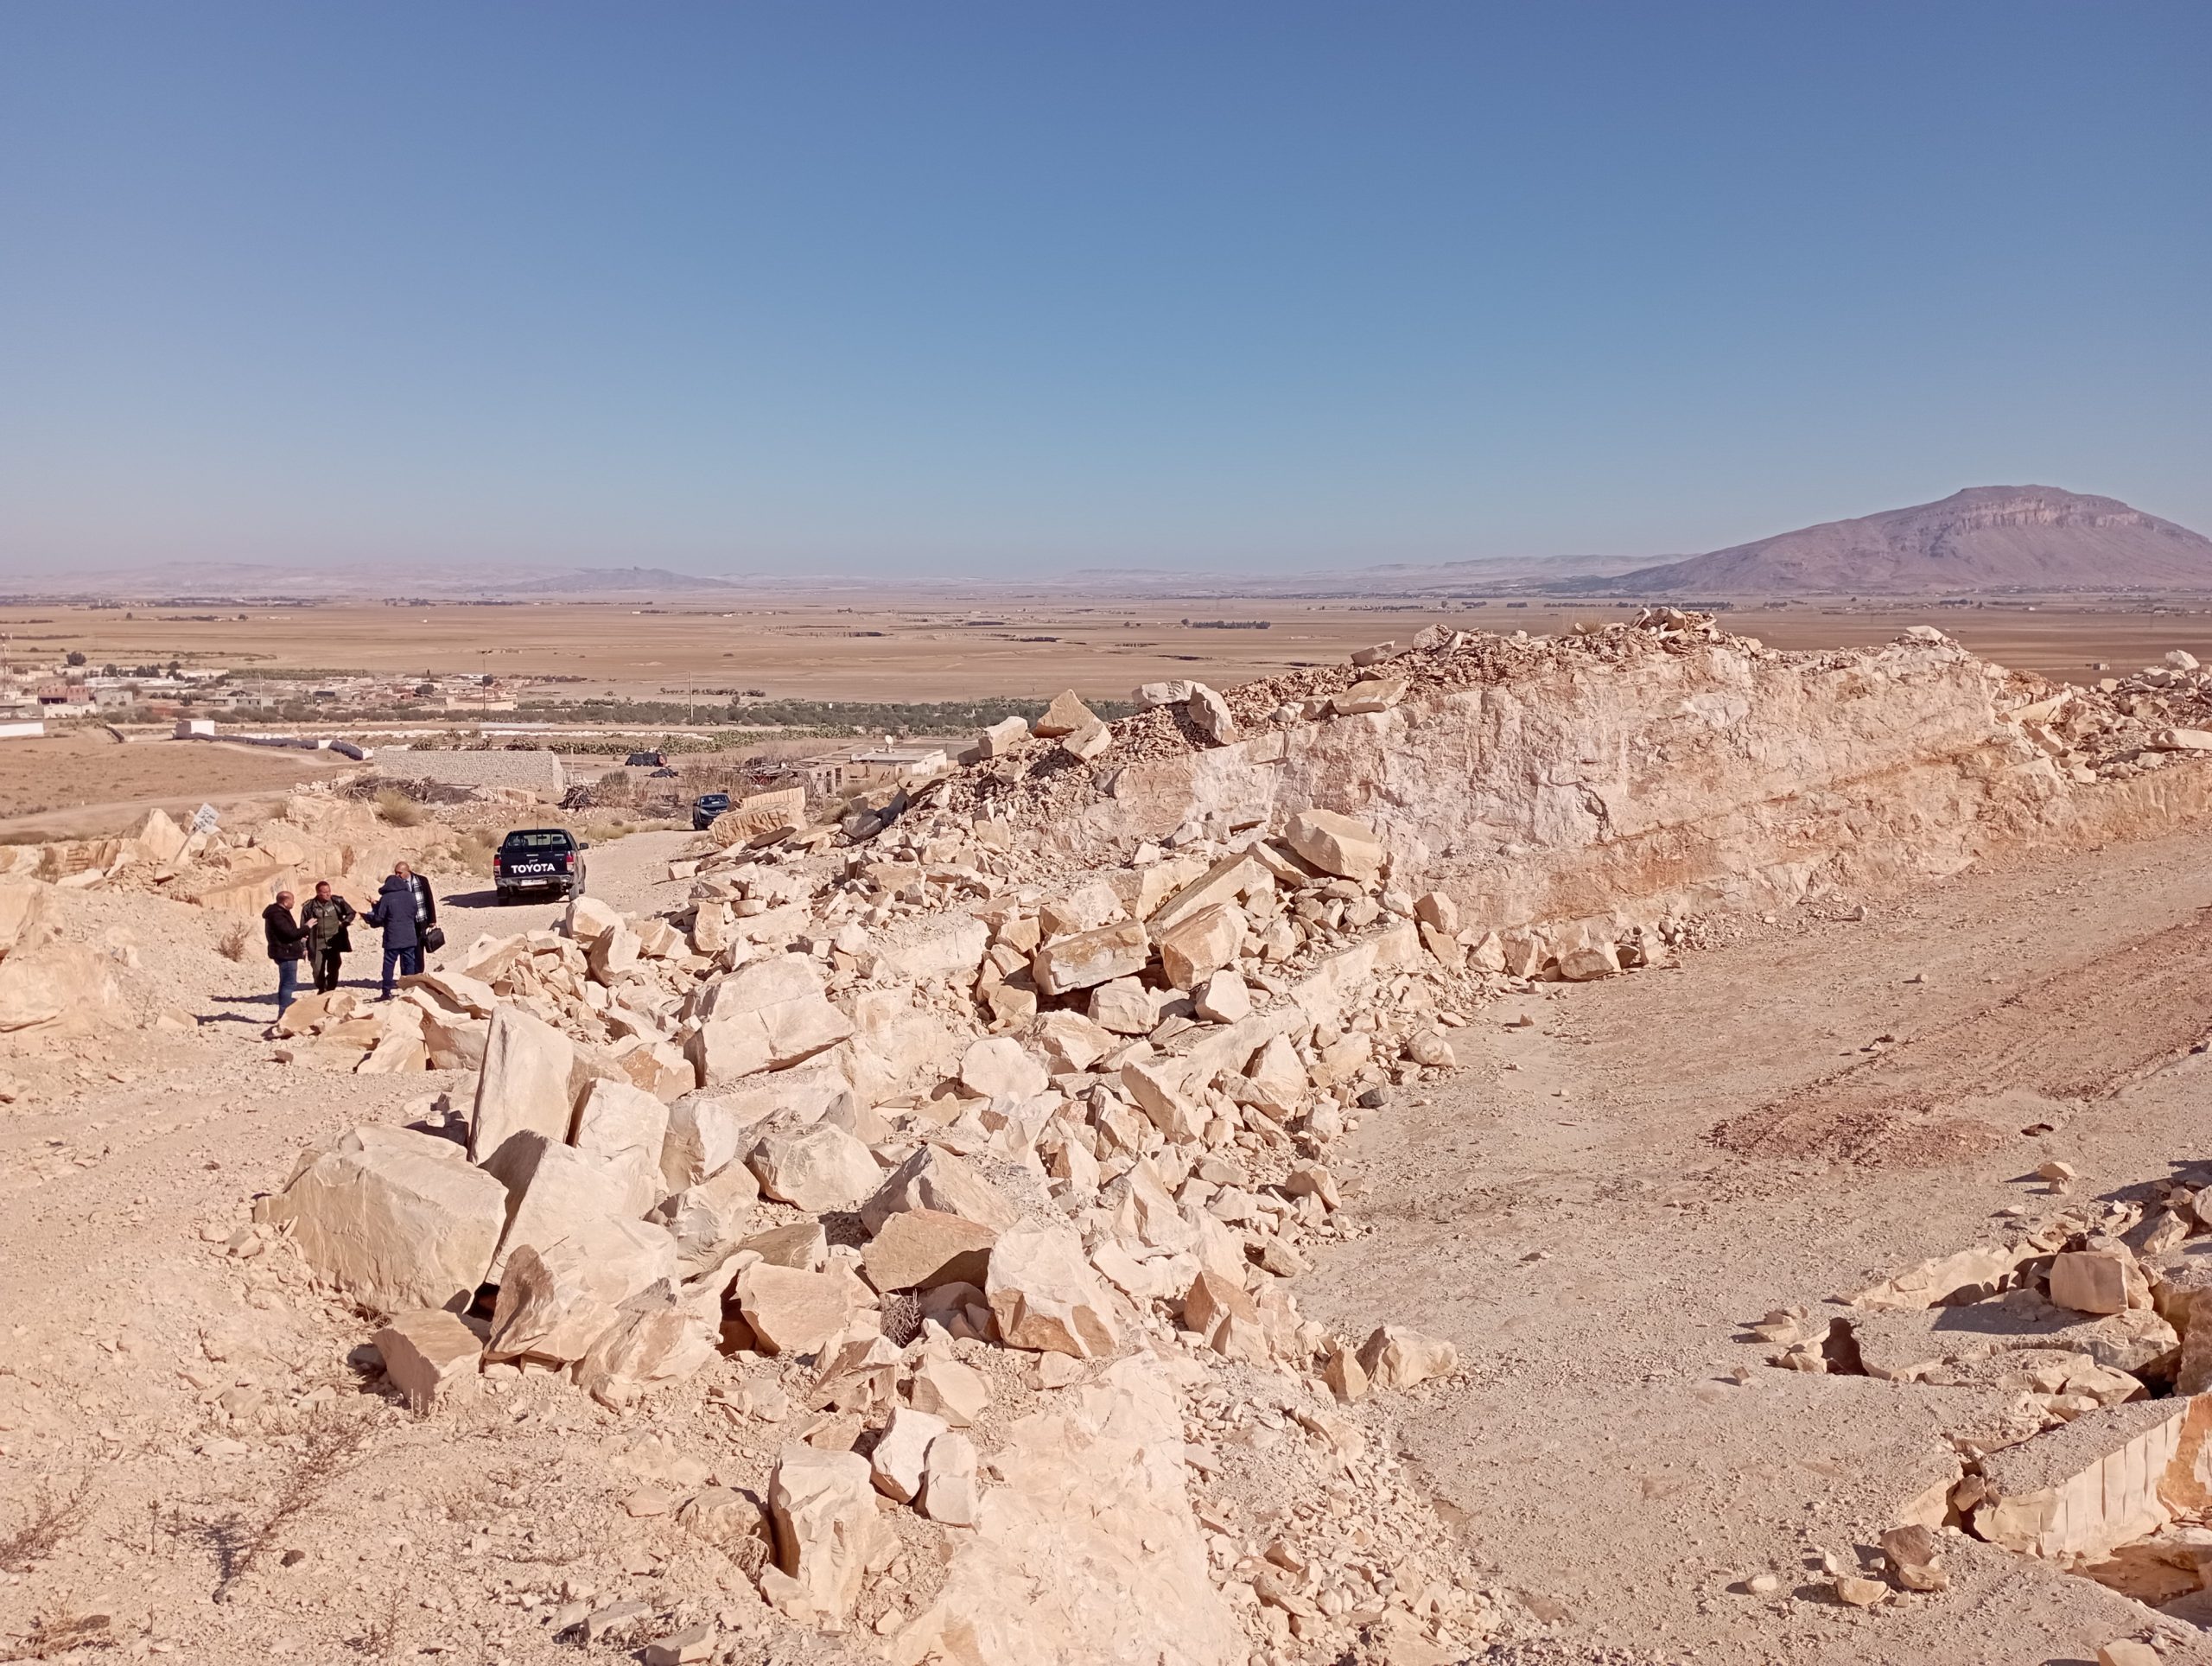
point(1987, 537)
point(188, 581)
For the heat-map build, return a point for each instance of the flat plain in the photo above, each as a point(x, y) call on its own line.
point(994, 643)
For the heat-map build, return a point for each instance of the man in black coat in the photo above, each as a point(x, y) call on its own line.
point(287, 942)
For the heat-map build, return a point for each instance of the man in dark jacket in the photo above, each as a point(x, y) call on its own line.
point(324, 917)
point(405, 910)
point(287, 942)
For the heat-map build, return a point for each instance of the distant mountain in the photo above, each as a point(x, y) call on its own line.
point(611, 580)
point(1987, 537)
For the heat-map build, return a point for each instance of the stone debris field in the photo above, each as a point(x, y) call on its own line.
point(1348, 1168)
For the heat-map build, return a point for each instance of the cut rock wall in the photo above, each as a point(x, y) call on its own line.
point(1718, 776)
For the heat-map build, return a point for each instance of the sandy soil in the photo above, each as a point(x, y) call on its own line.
point(995, 643)
point(86, 783)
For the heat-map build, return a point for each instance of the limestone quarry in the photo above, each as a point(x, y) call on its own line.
point(1629, 1145)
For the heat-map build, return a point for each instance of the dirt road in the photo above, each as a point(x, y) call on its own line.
point(1594, 1210)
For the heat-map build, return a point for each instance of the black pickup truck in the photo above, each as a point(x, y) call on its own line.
point(540, 858)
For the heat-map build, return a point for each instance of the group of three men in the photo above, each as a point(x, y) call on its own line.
point(405, 909)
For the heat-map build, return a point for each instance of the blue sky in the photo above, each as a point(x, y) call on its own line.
point(978, 289)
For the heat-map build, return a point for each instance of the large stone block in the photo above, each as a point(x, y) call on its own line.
point(1090, 957)
point(1336, 844)
point(829, 1533)
point(818, 1169)
point(1089, 1552)
point(393, 1218)
point(931, 1179)
point(625, 1127)
point(552, 1190)
point(526, 1083)
point(555, 1300)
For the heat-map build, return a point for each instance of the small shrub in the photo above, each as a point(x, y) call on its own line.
point(236, 938)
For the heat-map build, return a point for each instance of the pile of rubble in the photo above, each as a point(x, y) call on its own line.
point(2125, 726)
point(2083, 1343)
point(860, 1124)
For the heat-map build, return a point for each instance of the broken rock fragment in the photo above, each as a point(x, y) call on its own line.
point(555, 1299)
point(1123, 1006)
point(795, 1312)
point(1065, 716)
point(998, 1067)
point(948, 1486)
point(1913, 1558)
point(1089, 958)
point(818, 1169)
point(1043, 1295)
point(707, 1217)
point(828, 1534)
point(430, 1356)
point(2093, 1280)
point(1194, 948)
point(661, 1335)
point(552, 1191)
point(1336, 844)
point(1395, 1357)
point(1211, 713)
point(896, 1464)
point(626, 1127)
point(1088, 1551)
point(950, 1388)
point(524, 1084)
point(932, 1178)
point(920, 1248)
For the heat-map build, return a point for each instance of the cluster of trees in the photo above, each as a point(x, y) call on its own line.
point(824, 717)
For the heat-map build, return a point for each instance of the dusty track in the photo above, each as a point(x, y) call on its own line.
point(2081, 1034)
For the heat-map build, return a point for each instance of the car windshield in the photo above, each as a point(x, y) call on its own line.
point(555, 840)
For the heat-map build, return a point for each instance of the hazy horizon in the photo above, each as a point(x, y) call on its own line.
point(986, 293)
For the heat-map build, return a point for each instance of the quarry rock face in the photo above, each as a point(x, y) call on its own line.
point(1714, 778)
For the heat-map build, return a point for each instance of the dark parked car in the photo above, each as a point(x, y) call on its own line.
point(706, 807)
point(646, 759)
point(539, 859)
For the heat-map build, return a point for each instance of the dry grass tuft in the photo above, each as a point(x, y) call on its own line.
point(55, 1519)
point(236, 938)
point(396, 809)
point(54, 1635)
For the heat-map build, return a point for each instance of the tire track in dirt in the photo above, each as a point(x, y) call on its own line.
point(2081, 1034)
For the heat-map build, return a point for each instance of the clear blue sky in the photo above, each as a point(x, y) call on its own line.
point(982, 289)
